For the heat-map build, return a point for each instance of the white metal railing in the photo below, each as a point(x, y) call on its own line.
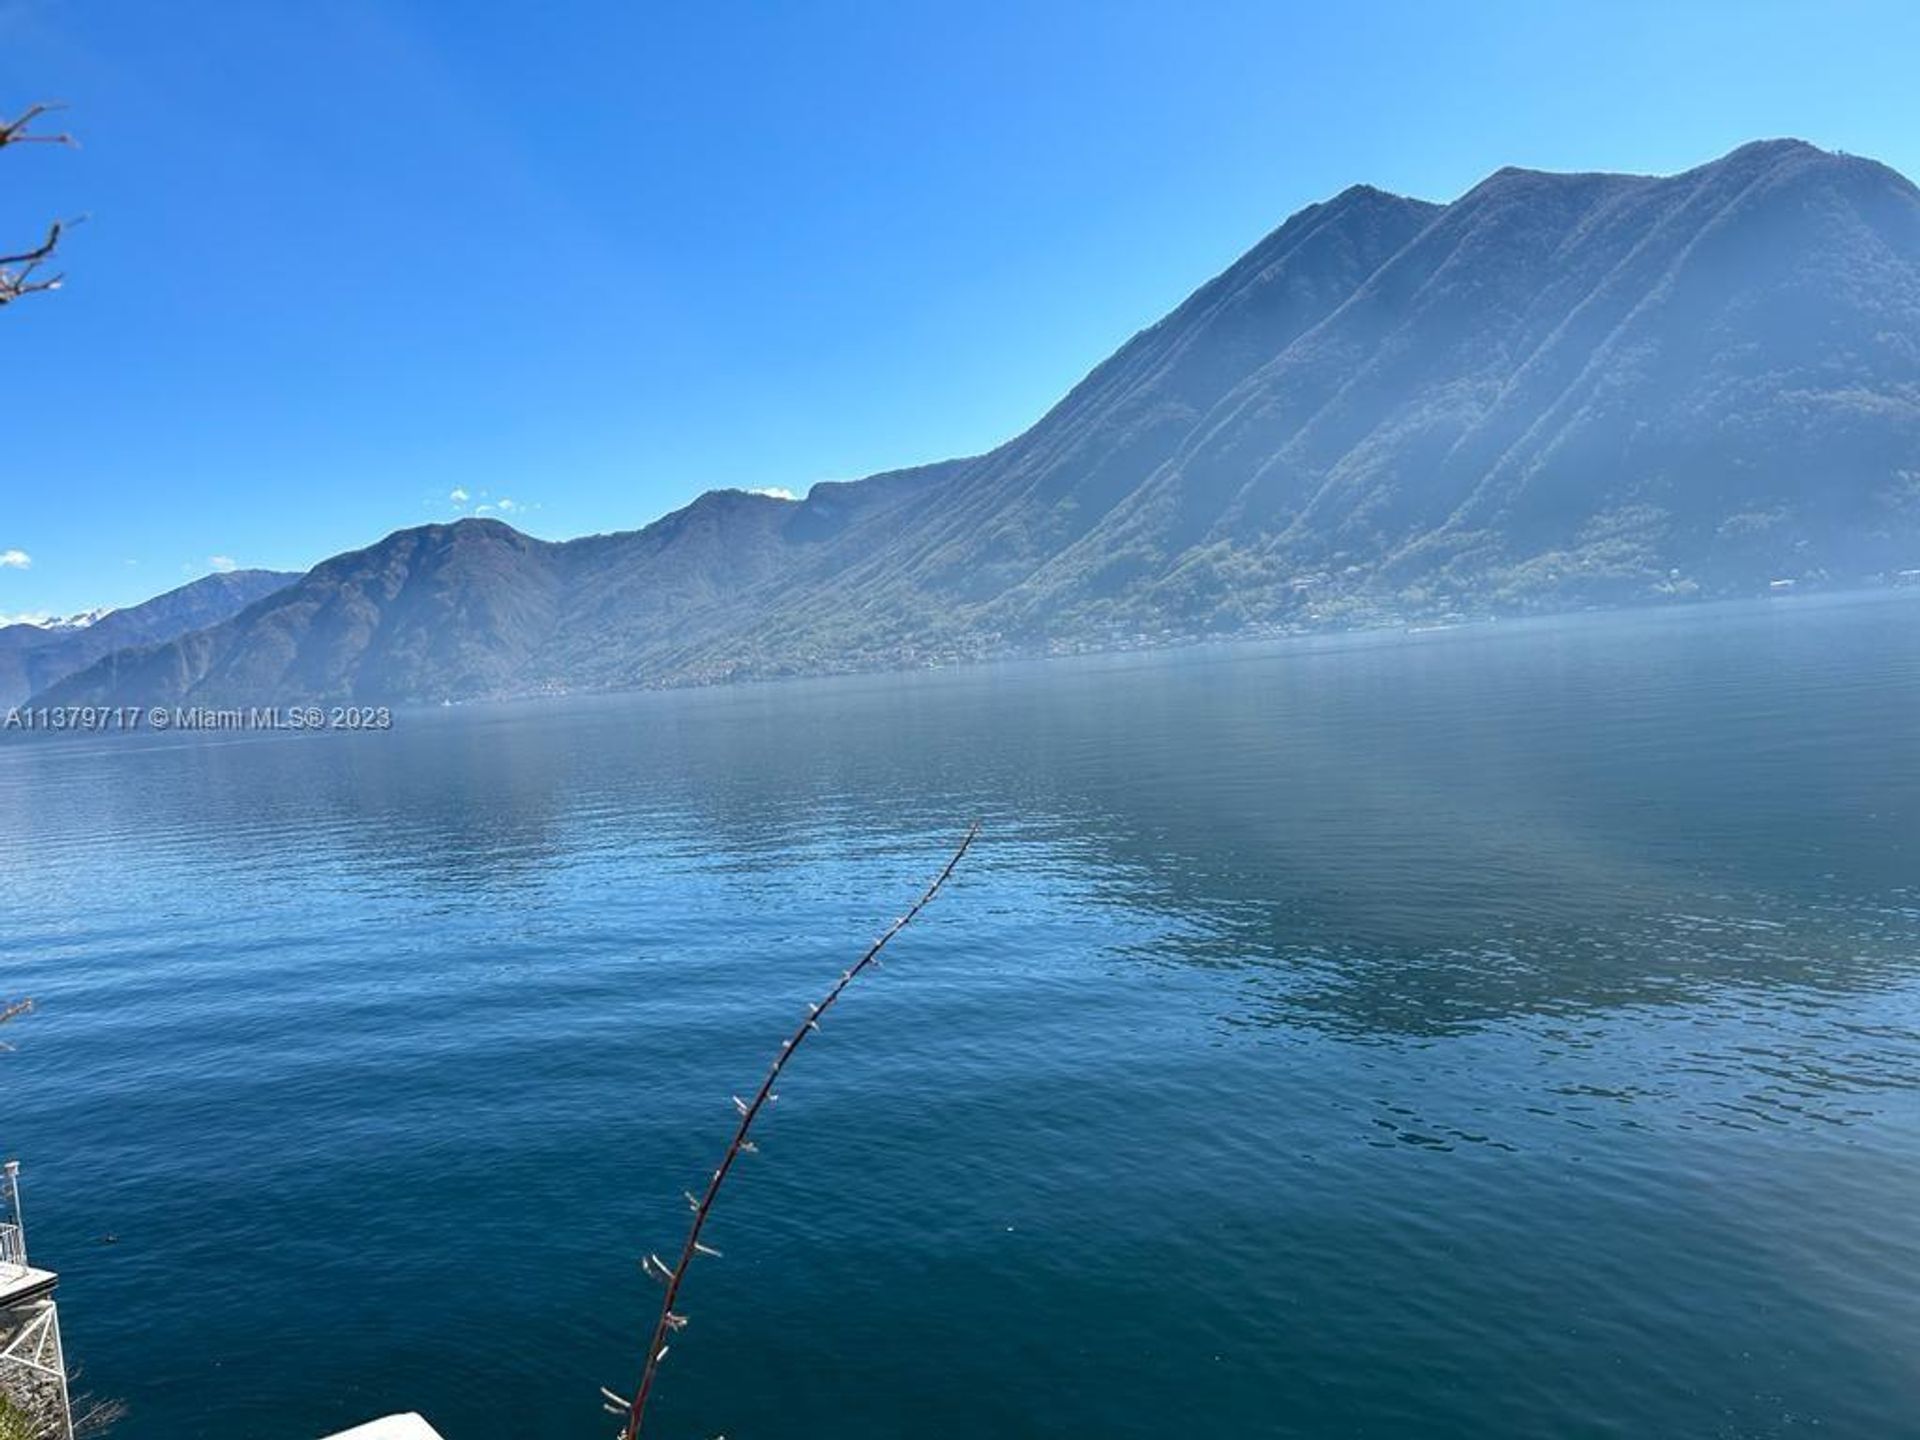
point(13, 1248)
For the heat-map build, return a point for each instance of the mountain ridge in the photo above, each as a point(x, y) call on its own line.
point(33, 658)
point(1557, 390)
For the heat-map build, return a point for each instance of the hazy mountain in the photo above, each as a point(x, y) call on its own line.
point(477, 608)
point(33, 657)
point(1558, 390)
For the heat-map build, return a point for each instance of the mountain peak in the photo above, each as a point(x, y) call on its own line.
point(1786, 154)
point(1799, 162)
point(1371, 195)
point(77, 621)
point(1759, 156)
point(473, 525)
point(1779, 145)
point(447, 532)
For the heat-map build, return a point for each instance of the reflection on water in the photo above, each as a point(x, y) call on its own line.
point(1496, 1032)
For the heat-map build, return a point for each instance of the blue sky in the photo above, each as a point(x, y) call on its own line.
point(345, 258)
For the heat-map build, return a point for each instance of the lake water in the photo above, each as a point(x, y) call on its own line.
point(1503, 1032)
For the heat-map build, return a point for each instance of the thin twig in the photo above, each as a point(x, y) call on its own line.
point(671, 1320)
point(15, 132)
point(15, 283)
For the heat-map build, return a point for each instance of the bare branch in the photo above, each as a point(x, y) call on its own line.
point(94, 1416)
point(15, 133)
point(35, 256)
point(15, 283)
point(672, 1320)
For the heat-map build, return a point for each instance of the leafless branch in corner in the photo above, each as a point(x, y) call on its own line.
point(633, 1410)
point(25, 281)
point(15, 283)
point(15, 132)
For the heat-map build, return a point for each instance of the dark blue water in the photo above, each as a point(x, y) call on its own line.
point(1494, 1033)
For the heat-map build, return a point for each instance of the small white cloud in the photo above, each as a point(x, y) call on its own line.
point(15, 560)
point(483, 509)
point(458, 496)
point(28, 617)
point(506, 504)
point(773, 492)
point(222, 563)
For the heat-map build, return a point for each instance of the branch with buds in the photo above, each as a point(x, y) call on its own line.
point(672, 1277)
point(23, 281)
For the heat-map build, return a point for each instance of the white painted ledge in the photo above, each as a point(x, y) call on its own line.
point(392, 1427)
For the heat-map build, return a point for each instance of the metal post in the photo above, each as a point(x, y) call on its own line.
point(60, 1366)
point(19, 1218)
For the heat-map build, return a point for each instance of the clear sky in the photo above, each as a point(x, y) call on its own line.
point(346, 257)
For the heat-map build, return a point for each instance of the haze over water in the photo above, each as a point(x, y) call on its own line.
point(1490, 1033)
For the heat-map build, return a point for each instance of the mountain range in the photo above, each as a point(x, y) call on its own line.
point(34, 657)
point(1556, 391)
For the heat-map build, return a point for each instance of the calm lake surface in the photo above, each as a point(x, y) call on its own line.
point(1504, 1032)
